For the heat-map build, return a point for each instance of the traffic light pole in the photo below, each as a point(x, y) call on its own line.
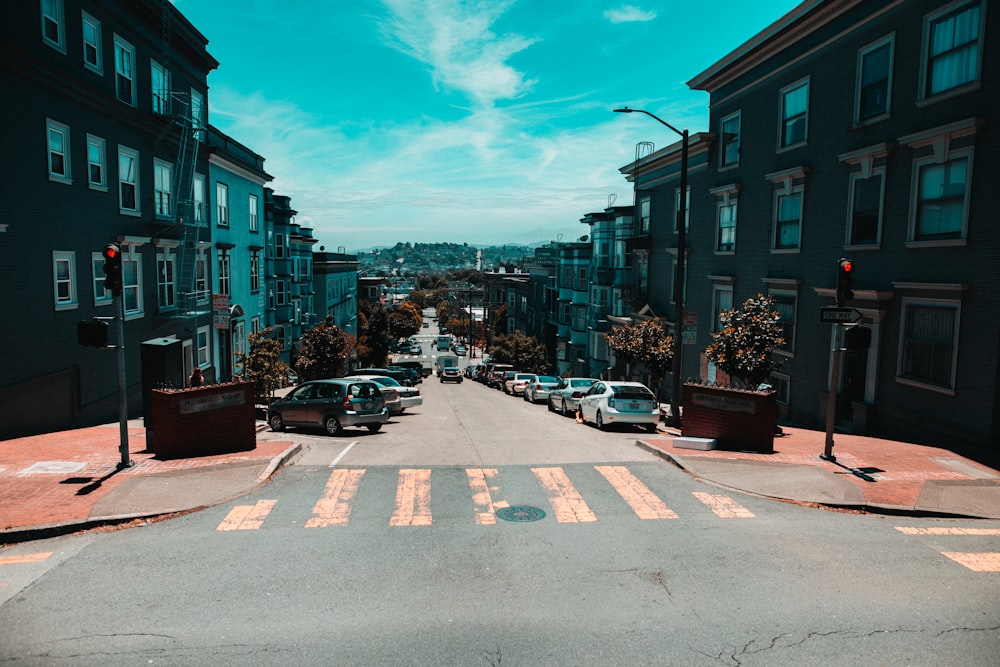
point(831, 400)
point(125, 462)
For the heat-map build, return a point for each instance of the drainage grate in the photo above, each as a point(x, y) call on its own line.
point(520, 513)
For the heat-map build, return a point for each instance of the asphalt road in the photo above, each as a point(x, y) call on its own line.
point(388, 549)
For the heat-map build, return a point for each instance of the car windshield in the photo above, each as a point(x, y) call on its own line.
point(362, 390)
point(387, 381)
point(637, 393)
point(547, 379)
point(524, 376)
point(581, 383)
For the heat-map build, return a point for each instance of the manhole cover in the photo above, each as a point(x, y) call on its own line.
point(520, 513)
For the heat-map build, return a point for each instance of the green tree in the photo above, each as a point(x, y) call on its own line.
point(524, 353)
point(742, 347)
point(262, 364)
point(374, 337)
point(324, 352)
point(644, 342)
point(404, 320)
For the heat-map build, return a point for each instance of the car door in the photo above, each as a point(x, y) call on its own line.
point(295, 411)
point(590, 402)
point(317, 407)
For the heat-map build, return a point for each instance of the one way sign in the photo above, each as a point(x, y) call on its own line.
point(835, 315)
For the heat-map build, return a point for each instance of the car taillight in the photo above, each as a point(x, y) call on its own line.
point(577, 394)
point(347, 404)
point(611, 402)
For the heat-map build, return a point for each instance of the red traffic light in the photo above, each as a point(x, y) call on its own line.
point(846, 266)
point(110, 251)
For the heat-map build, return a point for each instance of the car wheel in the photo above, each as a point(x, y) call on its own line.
point(651, 428)
point(374, 428)
point(600, 421)
point(332, 426)
point(548, 403)
point(565, 410)
point(276, 422)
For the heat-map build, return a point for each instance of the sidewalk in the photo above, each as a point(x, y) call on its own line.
point(58, 483)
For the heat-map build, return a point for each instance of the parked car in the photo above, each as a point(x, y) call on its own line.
point(331, 405)
point(607, 403)
point(538, 388)
point(451, 374)
point(494, 374)
point(471, 371)
point(515, 384)
point(392, 398)
point(405, 374)
point(500, 379)
point(459, 350)
point(423, 368)
point(565, 397)
point(409, 397)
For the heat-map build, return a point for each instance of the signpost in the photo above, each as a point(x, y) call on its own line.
point(831, 314)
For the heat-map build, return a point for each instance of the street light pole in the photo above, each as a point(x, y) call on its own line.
point(675, 400)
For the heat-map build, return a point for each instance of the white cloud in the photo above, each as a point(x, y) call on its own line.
point(629, 14)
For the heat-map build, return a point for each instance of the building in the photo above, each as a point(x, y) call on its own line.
point(335, 279)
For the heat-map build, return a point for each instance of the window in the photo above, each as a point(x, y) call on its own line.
point(942, 195)
point(785, 303)
point(222, 204)
point(124, 74)
point(642, 280)
point(874, 80)
point(782, 387)
point(58, 142)
point(279, 246)
point(564, 307)
point(224, 271)
point(582, 274)
point(53, 27)
point(787, 219)
point(254, 271)
point(722, 299)
point(201, 277)
point(952, 49)
point(203, 338)
point(794, 114)
point(132, 285)
point(865, 223)
point(579, 318)
point(163, 180)
point(255, 326)
point(96, 160)
point(253, 204)
point(929, 342)
point(198, 114)
point(166, 281)
point(64, 279)
point(687, 208)
point(93, 59)
point(239, 346)
point(128, 181)
point(198, 197)
point(644, 215)
point(160, 87)
point(102, 296)
point(729, 141)
point(281, 294)
point(726, 240)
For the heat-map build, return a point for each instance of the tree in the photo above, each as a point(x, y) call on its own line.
point(644, 342)
point(522, 352)
point(742, 347)
point(405, 320)
point(262, 364)
point(324, 352)
point(373, 338)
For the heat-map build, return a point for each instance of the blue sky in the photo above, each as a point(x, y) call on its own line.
point(466, 121)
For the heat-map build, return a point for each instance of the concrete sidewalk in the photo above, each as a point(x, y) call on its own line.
point(63, 482)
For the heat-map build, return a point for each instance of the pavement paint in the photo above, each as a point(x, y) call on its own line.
point(568, 505)
point(334, 508)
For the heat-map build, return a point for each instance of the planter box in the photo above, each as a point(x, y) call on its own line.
point(218, 419)
point(737, 420)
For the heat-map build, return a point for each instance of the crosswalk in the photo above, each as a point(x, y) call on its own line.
point(412, 503)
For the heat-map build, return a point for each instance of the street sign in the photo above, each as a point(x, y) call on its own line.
point(835, 315)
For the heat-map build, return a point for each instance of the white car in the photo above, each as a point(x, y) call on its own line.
point(608, 402)
point(409, 397)
point(538, 388)
point(565, 398)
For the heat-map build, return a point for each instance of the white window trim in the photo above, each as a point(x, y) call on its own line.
point(69, 258)
point(102, 296)
point(947, 156)
point(140, 310)
point(222, 204)
point(120, 43)
point(98, 67)
point(162, 95)
point(722, 140)
point(203, 353)
point(854, 178)
point(60, 20)
point(169, 257)
point(169, 167)
point(93, 140)
point(911, 301)
point(134, 154)
point(716, 290)
point(785, 192)
point(805, 81)
point(198, 199)
point(925, 46)
point(889, 39)
point(55, 126)
point(253, 203)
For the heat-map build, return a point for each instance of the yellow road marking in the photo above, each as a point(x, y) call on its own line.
point(977, 562)
point(247, 517)
point(413, 498)
point(723, 507)
point(568, 505)
point(25, 558)
point(948, 531)
point(482, 495)
point(334, 508)
point(643, 502)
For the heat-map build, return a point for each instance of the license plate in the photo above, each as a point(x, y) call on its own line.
point(633, 406)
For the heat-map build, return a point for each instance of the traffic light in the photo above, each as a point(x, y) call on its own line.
point(113, 269)
point(858, 338)
point(845, 281)
point(92, 333)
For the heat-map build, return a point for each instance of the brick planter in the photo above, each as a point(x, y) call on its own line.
point(204, 421)
point(738, 420)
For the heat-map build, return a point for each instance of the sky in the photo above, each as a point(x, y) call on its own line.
point(485, 122)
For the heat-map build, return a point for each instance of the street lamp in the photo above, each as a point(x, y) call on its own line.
point(675, 412)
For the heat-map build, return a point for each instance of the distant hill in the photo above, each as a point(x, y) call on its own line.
point(439, 258)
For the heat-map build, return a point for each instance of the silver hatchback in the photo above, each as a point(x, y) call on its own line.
point(331, 405)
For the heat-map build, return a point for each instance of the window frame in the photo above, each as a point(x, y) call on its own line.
point(132, 285)
point(201, 277)
point(126, 152)
point(717, 291)
point(865, 51)
point(102, 295)
point(253, 202)
point(731, 203)
point(221, 204)
point(224, 266)
point(166, 289)
point(57, 17)
point(53, 126)
point(789, 330)
point(967, 154)
point(102, 147)
point(724, 145)
point(163, 200)
point(645, 207)
point(785, 121)
point(159, 98)
point(850, 238)
point(198, 198)
point(203, 344)
point(926, 63)
point(906, 304)
point(687, 209)
point(98, 65)
point(67, 298)
point(124, 48)
point(254, 271)
point(795, 190)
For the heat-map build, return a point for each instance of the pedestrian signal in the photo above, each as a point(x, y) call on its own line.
point(113, 269)
point(845, 282)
